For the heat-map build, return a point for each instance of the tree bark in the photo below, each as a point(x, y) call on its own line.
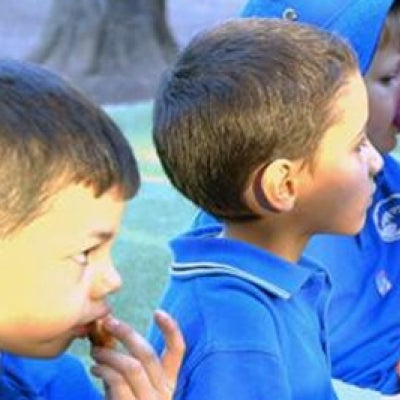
point(115, 50)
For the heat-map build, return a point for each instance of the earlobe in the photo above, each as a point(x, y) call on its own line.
point(273, 186)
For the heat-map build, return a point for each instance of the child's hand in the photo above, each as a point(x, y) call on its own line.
point(139, 374)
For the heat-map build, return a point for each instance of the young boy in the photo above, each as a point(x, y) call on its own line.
point(256, 124)
point(66, 172)
point(363, 316)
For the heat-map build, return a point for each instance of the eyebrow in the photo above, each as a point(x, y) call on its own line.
point(103, 236)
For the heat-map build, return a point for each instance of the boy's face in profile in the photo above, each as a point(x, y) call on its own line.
point(382, 81)
point(337, 192)
point(56, 272)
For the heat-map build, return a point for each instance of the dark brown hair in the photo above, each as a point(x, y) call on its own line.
point(51, 136)
point(242, 95)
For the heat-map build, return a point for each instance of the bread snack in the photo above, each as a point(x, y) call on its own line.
point(98, 336)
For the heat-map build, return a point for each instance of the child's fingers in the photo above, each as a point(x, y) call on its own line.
point(125, 371)
point(175, 345)
point(114, 384)
point(140, 349)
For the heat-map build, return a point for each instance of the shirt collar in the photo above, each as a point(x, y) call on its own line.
point(200, 252)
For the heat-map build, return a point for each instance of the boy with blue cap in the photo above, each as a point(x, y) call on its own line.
point(363, 316)
point(251, 307)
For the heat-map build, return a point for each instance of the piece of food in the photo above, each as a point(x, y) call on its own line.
point(98, 336)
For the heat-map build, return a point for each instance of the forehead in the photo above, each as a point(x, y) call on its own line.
point(349, 121)
point(70, 217)
point(386, 60)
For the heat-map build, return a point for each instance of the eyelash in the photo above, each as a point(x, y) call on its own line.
point(83, 257)
point(387, 80)
point(361, 144)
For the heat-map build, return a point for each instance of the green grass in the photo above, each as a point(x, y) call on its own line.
point(156, 215)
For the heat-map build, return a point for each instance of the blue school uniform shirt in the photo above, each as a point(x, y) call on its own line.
point(61, 378)
point(254, 324)
point(364, 312)
point(364, 316)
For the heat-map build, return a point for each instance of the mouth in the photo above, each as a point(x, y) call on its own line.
point(82, 331)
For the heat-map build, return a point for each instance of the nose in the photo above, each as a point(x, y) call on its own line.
point(107, 280)
point(375, 160)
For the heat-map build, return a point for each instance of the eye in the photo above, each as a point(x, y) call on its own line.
point(360, 146)
point(83, 257)
point(387, 79)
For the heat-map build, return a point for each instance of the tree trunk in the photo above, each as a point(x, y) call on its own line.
point(115, 50)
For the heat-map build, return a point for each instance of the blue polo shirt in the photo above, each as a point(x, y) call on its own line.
point(254, 324)
point(364, 316)
point(61, 378)
point(364, 311)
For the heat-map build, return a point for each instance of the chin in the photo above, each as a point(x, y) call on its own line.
point(352, 230)
point(48, 349)
point(357, 229)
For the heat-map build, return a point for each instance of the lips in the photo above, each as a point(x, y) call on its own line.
point(82, 330)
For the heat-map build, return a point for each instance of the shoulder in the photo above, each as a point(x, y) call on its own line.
point(63, 377)
point(222, 313)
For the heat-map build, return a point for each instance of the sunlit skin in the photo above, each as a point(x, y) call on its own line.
point(332, 196)
point(383, 84)
point(56, 275)
point(61, 269)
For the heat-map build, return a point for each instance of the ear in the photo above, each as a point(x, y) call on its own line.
point(273, 187)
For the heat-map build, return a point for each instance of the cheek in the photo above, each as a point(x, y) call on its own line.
point(346, 188)
point(42, 309)
point(49, 313)
point(382, 104)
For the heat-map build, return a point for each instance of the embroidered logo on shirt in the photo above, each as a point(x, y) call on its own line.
point(387, 218)
point(382, 282)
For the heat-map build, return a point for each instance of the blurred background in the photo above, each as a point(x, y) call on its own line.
point(113, 49)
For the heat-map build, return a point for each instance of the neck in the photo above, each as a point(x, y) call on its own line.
point(282, 241)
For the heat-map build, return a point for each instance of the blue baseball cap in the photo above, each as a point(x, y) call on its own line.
point(360, 22)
